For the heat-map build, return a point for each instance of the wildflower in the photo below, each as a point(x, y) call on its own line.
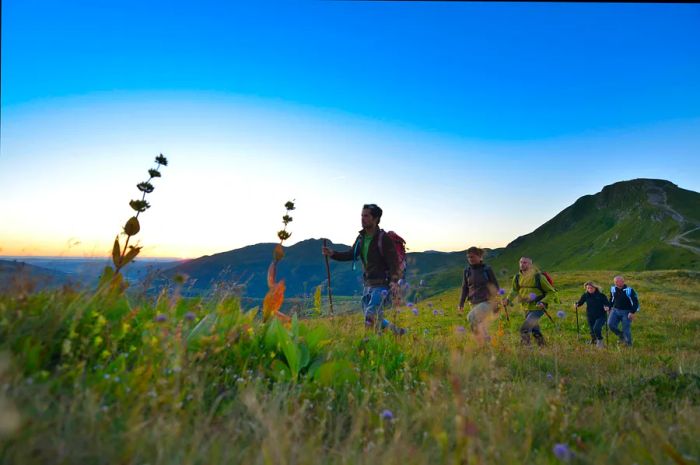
point(549, 377)
point(460, 329)
point(387, 414)
point(562, 452)
point(139, 205)
point(160, 318)
point(189, 316)
point(435, 312)
point(106, 376)
point(415, 311)
point(501, 291)
point(532, 296)
point(561, 313)
point(430, 304)
point(161, 160)
point(409, 304)
point(146, 187)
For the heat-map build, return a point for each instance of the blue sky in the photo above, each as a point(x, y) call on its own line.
point(464, 108)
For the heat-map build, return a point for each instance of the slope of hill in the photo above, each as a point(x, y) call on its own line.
point(19, 275)
point(302, 268)
point(643, 224)
point(638, 225)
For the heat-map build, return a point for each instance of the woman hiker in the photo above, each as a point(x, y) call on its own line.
point(597, 304)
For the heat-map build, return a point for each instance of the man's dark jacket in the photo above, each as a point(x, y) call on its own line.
point(381, 267)
point(620, 301)
point(479, 284)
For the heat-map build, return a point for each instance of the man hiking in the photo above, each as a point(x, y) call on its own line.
point(480, 286)
point(597, 304)
point(535, 294)
point(625, 304)
point(381, 268)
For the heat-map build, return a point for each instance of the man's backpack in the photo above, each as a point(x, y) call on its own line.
point(629, 292)
point(399, 245)
point(485, 270)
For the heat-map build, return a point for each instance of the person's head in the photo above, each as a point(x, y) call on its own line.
point(619, 281)
point(590, 287)
point(525, 264)
point(371, 214)
point(475, 255)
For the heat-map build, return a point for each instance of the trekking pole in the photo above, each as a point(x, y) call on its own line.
point(328, 273)
point(505, 307)
point(549, 316)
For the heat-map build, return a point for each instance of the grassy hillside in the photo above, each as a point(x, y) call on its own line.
point(628, 226)
point(100, 378)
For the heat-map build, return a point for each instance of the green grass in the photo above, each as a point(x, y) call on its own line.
point(96, 378)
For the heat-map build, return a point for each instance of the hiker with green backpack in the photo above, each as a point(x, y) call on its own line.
point(480, 286)
point(534, 291)
point(383, 257)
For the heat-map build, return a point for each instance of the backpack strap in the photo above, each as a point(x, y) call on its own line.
point(380, 238)
point(355, 250)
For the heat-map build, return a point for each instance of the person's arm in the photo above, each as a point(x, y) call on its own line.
point(344, 256)
point(465, 290)
point(492, 278)
point(514, 289)
point(582, 300)
point(635, 301)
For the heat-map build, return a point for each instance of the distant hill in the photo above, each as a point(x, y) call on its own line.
point(303, 268)
point(19, 275)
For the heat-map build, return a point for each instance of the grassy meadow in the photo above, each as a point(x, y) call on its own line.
point(106, 377)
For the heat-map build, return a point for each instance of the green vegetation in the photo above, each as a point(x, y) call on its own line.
point(105, 377)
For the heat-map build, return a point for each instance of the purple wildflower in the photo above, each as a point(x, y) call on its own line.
point(532, 296)
point(561, 313)
point(460, 329)
point(160, 318)
point(189, 316)
point(501, 291)
point(409, 304)
point(435, 312)
point(549, 377)
point(562, 452)
point(415, 311)
point(387, 415)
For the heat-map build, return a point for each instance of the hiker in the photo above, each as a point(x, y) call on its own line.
point(381, 268)
point(597, 304)
point(480, 286)
point(535, 293)
point(625, 304)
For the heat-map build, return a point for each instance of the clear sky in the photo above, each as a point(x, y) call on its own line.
point(469, 123)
